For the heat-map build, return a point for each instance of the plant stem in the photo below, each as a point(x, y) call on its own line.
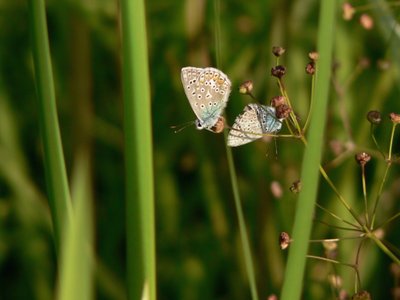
point(56, 175)
point(141, 261)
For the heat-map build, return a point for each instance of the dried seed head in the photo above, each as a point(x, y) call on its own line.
point(278, 51)
point(282, 111)
point(246, 87)
point(336, 281)
point(295, 187)
point(343, 295)
point(278, 100)
point(278, 71)
point(366, 21)
point(364, 62)
point(374, 117)
point(383, 64)
point(363, 295)
point(362, 158)
point(314, 55)
point(310, 68)
point(348, 11)
point(276, 189)
point(219, 126)
point(379, 233)
point(395, 118)
point(329, 245)
point(395, 270)
point(330, 249)
point(284, 240)
point(396, 292)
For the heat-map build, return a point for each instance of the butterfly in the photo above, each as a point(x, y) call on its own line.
point(207, 90)
point(252, 123)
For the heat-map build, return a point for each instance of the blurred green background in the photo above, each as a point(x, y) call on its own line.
point(199, 255)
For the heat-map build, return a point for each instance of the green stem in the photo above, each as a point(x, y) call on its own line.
point(56, 175)
point(141, 260)
point(364, 187)
point(242, 225)
point(391, 141)
point(389, 164)
point(311, 104)
point(295, 267)
point(336, 216)
point(383, 247)
point(375, 141)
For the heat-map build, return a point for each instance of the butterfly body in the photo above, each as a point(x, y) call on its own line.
point(207, 90)
point(252, 123)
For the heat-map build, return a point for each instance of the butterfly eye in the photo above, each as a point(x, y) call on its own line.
point(198, 124)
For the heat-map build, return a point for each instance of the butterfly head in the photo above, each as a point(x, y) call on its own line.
point(199, 125)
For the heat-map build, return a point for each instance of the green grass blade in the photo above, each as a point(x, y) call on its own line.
point(294, 273)
point(75, 280)
point(56, 177)
point(138, 151)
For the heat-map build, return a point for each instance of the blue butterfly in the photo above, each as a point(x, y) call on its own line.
point(207, 90)
point(252, 123)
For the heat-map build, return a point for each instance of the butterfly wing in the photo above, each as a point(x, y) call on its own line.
point(246, 128)
point(252, 123)
point(269, 122)
point(208, 92)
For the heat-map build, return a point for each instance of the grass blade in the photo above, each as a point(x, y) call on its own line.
point(138, 151)
point(75, 280)
point(56, 177)
point(310, 168)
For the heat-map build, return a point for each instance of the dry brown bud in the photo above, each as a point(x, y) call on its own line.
point(282, 111)
point(284, 240)
point(246, 87)
point(278, 51)
point(363, 295)
point(278, 100)
point(295, 187)
point(348, 11)
point(395, 270)
point(374, 117)
point(278, 71)
point(362, 158)
point(310, 68)
point(276, 189)
point(383, 64)
point(366, 21)
point(314, 55)
point(395, 118)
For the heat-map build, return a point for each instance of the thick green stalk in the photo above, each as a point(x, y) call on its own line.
point(76, 267)
point(138, 153)
point(56, 176)
point(294, 273)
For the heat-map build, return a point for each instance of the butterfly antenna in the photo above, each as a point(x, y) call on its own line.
point(179, 128)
